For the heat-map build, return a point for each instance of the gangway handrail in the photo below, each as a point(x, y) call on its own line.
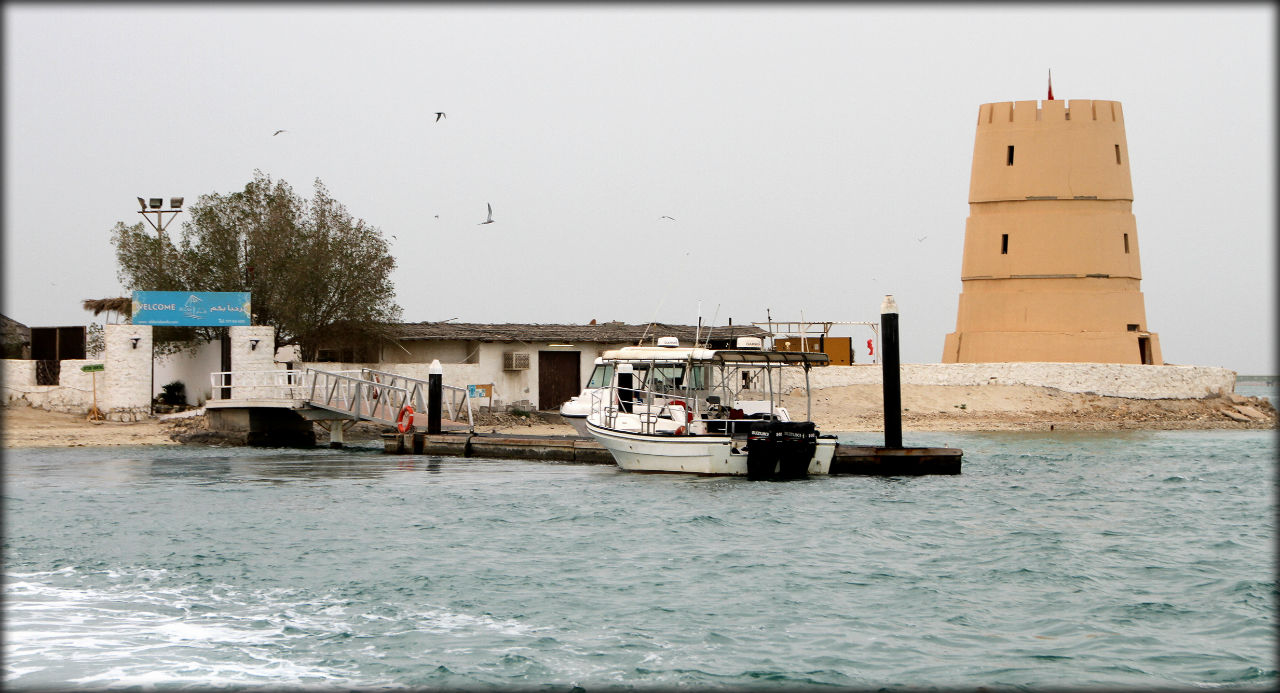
point(363, 394)
point(376, 395)
point(273, 384)
point(357, 397)
point(453, 405)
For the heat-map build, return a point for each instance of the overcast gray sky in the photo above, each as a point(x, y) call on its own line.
point(802, 150)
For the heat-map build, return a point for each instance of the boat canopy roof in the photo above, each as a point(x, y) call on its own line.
point(806, 358)
point(715, 356)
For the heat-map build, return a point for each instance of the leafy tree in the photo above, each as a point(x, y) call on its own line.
point(317, 274)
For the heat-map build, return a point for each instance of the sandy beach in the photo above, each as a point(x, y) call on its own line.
point(854, 408)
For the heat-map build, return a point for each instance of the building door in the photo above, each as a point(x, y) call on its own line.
point(559, 374)
point(1144, 350)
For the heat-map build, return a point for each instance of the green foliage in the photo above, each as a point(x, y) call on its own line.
point(94, 341)
point(314, 272)
point(174, 393)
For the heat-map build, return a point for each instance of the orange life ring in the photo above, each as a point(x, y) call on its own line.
point(401, 424)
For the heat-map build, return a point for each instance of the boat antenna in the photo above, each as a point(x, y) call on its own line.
point(697, 335)
point(712, 326)
point(804, 327)
point(653, 320)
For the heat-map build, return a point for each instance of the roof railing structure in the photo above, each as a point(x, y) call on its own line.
point(812, 329)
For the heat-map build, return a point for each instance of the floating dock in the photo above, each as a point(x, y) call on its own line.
point(849, 459)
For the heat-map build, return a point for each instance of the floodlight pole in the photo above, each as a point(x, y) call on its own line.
point(160, 224)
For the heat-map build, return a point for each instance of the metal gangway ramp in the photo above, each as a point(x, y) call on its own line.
point(381, 396)
point(338, 399)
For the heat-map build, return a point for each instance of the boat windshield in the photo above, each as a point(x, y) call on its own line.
point(602, 376)
point(671, 378)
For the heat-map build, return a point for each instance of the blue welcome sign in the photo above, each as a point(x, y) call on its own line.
point(191, 308)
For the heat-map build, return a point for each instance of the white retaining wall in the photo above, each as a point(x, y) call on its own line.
point(1107, 379)
point(127, 392)
point(124, 386)
point(73, 394)
point(248, 356)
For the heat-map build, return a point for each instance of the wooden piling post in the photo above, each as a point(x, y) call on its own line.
point(890, 376)
point(435, 391)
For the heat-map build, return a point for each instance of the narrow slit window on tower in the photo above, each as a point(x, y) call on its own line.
point(1004, 244)
point(1008, 161)
point(1126, 243)
point(1117, 155)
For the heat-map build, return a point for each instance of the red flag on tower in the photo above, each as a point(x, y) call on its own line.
point(870, 349)
point(1051, 85)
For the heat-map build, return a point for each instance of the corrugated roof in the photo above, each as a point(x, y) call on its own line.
point(606, 332)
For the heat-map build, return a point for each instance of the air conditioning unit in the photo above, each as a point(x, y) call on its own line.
point(750, 343)
point(515, 361)
point(668, 342)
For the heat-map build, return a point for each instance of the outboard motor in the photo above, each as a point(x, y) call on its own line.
point(778, 450)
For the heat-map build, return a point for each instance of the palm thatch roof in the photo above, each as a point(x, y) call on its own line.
point(122, 305)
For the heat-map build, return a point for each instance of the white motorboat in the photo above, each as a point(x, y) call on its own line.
point(707, 411)
point(575, 411)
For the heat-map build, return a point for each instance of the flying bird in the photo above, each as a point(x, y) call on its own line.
point(667, 217)
point(439, 115)
point(489, 220)
point(277, 132)
point(921, 239)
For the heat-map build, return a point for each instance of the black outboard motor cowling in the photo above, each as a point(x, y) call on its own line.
point(779, 450)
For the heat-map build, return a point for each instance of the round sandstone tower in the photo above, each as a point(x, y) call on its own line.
point(1050, 271)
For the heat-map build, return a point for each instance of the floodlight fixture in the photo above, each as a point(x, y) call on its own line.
point(253, 345)
point(157, 202)
point(142, 203)
point(175, 202)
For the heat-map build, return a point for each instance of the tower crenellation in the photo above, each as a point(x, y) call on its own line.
point(1049, 111)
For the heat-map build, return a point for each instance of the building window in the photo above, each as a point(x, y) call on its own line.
point(1132, 327)
point(340, 355)
point(1004, 244)
point(1117, 155)
point(1126, 243)
point(1009, 157)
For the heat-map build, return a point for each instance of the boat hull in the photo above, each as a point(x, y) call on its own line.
point(710, 455)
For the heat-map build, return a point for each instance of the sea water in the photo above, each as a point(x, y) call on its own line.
point(1055, 560)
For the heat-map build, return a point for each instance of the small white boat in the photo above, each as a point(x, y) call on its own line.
point(575, 411)
point(707, 411)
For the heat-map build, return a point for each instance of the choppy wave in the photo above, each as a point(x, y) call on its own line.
point(1108, 561)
